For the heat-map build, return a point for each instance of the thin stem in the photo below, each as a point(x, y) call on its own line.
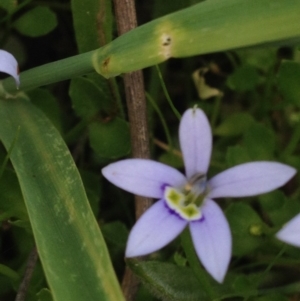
point(167, 148)
point(193, 260)
point(32, 259)
point(50, 73)
point(177, 114)
point(162, 120)
point(271, 264)
point(137, 113)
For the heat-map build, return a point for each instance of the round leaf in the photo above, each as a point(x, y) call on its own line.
point(36, 22)
point(110, 139)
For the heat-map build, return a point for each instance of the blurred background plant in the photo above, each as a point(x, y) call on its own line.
point(252, 99)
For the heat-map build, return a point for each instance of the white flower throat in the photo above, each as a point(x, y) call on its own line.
point(187, 201)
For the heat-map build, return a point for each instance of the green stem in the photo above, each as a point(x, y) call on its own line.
point(162, 120)
point(193, 260)
point(177, 114)
point(50, 73)
point(216, 111)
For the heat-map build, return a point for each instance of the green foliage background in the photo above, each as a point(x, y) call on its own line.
point(58, 137)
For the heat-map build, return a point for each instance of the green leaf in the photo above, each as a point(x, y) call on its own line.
point(92, 23)
point(109, 231)
point(37, 22)
point(244, 78)
point(70, 245)
point(45, 101)
point(246, 228)
point(278, 207)
point(93, 188)
point(11, 199)
point(168, 281)
point(8, 5)
point(88, 99)
point(235, 124)
point(288, 81)
point(44, 295)
point(236, 155)
point(170, 158)
point(260, 142)
point(110, 139)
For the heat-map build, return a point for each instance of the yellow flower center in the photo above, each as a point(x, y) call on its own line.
point(187, 202)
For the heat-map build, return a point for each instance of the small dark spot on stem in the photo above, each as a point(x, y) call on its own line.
point(167, 41)
point(106, 62)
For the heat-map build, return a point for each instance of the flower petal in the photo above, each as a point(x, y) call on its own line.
point(143, 177)
point(250, 179)
point(290, 233)
point(212, 240)
point(154, 229)
point(9, 65)
point(195, 141)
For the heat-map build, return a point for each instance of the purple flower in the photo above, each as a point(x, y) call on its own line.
point(290, 232)
point(186, 200)
point(9, 65)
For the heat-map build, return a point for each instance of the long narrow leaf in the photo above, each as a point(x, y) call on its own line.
point(72, 250)
point(210, 26)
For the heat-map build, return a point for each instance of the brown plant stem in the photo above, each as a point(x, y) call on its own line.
point(137, 114)
point(23, 288)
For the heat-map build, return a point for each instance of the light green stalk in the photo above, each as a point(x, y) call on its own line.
point(210, 26)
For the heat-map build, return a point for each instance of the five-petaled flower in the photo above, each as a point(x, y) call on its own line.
point(9, 65)
point(187, 199)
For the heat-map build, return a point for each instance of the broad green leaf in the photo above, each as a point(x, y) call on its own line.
point(168, 281)
point(92, 23)
point(109, 231)
point(246, 227)
point(260, 142)
point(110, 139)
point(288, 82)
point(236, 155)
point(262, 58)
point(234, 125)
point(36, 22)
point(70, 245)
point(221, 24)
point(88, 99)
point(244, 78)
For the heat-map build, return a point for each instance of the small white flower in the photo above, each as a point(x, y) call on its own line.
point(186, 200)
